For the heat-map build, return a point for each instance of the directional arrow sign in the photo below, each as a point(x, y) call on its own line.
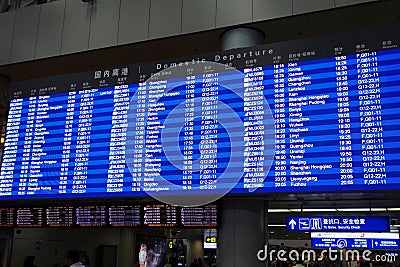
point(292, 223)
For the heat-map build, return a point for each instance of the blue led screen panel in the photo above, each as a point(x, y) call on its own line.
point(299, 116)
point(338, 224)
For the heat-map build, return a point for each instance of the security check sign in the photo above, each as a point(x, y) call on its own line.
point(338, 224)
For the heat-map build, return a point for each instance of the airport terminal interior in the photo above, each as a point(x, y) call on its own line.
point(120, 119)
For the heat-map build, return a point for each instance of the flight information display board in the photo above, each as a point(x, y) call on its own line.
point(91, 216)
point(299, 116)
point(6, 217)
point(30, 217)
point(160, 215)
point(59, 216)
point(124, 215)
point(135, 215)
point(205, 216)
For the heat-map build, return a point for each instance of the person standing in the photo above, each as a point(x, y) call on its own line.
point(73, 258)
point(142, 255)
point(85, 260)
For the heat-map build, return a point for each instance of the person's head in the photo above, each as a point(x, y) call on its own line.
point(29, 260)
point(199, 260)
point(85, 260)
point(195, 260)
point(72, 256)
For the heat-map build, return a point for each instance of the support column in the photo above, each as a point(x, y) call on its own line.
point(4, 103)
point(3, 6)
point(241, 233)
point(4, 92)
point(242, 230)
point(3, 81)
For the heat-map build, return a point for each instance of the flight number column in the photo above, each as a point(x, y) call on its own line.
point(81, 164)
point(10, 151)
point(254, 128)
point(67, 144)
point(209, 135)
point(119, 122)
point(370, 108)
point(344, 121)
point(280, 167)
point(188, 134)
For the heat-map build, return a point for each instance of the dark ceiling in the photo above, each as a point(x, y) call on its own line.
point(295, 27)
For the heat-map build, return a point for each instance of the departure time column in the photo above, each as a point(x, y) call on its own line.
point(67, 143)
point(280, 166)
point(32, 155)
point(139, 149)
point(344, 121)
point(188, 134)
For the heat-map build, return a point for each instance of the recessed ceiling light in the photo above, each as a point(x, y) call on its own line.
point(318, 210)
point(278, 210)
point(354, 209)
point(378, 209)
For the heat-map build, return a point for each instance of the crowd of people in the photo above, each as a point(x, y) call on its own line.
point(72, 259)
point(324, 261)
point(152, 257)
